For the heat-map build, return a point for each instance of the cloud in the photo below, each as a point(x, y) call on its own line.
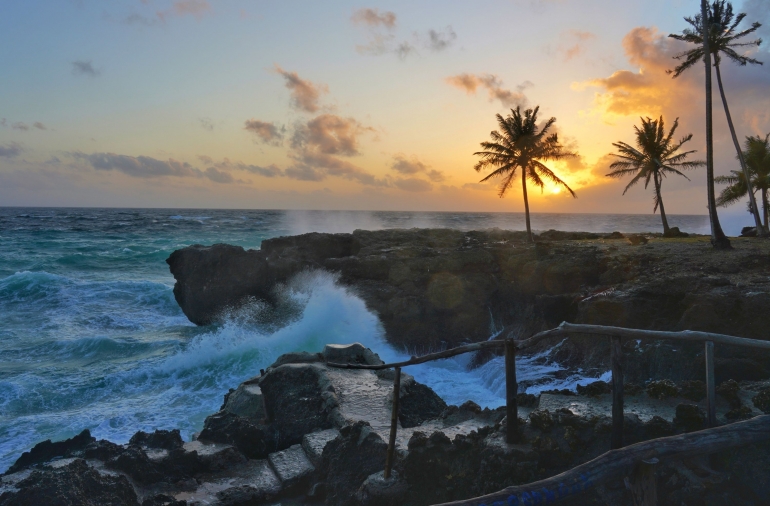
point(304, 173)
point(414, 166)
point(11, 150)
point(413, 184)
point(439, 41)
point(148, 167)
point(330, 134)
point(3, 122)
point(304, 94)
point(218, 176)
point(380, 29)
point(39, 125)
point(573, 43)
point(267, 132)
point(648, 90)
point(19, 125)
point(471, 83)
point(84, 68)
point(180, 8)
point(206, 123)
point(226, 164)
point(373, 18)
point(317, 145)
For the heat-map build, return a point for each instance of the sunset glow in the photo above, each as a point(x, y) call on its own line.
point(195, 103)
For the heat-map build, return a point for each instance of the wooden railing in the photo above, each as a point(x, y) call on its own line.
point(641, 458)
point(565, 330)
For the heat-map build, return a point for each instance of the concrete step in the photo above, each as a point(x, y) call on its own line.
point(315, 442)
point(253, 482)
point(293, 468)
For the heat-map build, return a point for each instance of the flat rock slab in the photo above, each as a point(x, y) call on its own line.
point(315, 442)
point(363, 396)
point(640, 405)
point(291, 466)
point(251, 481)
point(247, 401)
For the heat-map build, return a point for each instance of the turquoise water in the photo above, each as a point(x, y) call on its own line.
point(91, 336)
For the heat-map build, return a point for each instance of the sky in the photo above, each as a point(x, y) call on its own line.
point(348, 105)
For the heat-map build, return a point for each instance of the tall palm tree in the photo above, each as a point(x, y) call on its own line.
point(722, 39)
point(654, 157)
point(757, 156)
point(520, 144)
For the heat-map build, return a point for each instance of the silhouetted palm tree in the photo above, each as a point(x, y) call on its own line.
point(521, 144)
point(654, 157)
point(723, 39)
point(757, 157)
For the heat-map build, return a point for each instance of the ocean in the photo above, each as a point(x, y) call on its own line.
point(91, 336)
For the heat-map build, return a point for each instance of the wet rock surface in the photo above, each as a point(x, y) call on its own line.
point(334, 450)
point(435, 288)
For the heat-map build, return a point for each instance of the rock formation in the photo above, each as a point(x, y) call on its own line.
point(305, 433)
point(441, 288)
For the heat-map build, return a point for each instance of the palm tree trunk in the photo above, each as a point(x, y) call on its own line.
point(526, 203)
point(666, 228)
point(765, 206)
point(755, 209)
point(718, 238)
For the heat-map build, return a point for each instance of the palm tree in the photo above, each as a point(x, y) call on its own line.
point(654, 157)
point(757, 156)
point(722, 39)
point(521, 144)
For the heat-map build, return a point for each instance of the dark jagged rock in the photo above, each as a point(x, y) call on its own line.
point(762, 400)
point(75, 484)
point(729, 391)
point(254, 441)
point(594, 389)
point(47, 450)
point(694, 390)
point(690, 417)
point(659, 427)
point(163, 500)
point(166, 439)
point(417, 404)
point(662, 389)
point(349, 460)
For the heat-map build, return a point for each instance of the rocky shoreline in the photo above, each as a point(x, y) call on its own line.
point(439, 288)
point(305, 433)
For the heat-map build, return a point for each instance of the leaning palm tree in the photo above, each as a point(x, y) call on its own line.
point(654, 157)
point(520, 144)
point(757, 156)
point(722, 39)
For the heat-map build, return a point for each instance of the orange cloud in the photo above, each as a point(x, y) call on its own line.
point(267, 132)
point(650, 90)
point(470, 83)
point(304, 94)
point(373, 17)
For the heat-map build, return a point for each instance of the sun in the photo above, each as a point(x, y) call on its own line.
point(556, 189)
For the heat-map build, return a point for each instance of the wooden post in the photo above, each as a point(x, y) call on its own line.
point(393, 424)
point(710, 386)
point(511, 391)
point(617, 393)
point(644, 484)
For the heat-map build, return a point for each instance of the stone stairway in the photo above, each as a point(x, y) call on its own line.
point(283, 473)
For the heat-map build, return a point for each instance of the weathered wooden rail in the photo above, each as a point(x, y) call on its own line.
point(615, 464)
point(616, 334)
